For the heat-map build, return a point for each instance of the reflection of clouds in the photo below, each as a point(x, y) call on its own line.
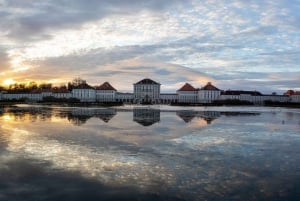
point(192, 160)
point(111, 167)
point(194, 142)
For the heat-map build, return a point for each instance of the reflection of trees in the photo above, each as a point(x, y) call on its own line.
point(77, 116)
point(78, 120)
point(61, 114)
point(29, 114)
point(146, 117)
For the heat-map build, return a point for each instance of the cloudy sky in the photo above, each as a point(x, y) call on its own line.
point(236, 44)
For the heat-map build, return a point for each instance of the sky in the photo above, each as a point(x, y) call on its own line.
point(235, 44)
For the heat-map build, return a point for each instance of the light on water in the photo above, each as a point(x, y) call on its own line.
point(52, 153)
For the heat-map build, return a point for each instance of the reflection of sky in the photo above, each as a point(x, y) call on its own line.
point(192, 159)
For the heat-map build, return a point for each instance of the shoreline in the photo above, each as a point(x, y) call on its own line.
point(161, 107)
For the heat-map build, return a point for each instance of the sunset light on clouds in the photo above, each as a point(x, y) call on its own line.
point(235, 44)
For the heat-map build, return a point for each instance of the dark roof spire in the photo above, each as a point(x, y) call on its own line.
point(147, 81)
point(210, 87)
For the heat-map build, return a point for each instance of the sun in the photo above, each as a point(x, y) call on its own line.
point(8, 81)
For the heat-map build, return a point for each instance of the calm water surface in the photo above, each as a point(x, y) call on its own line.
point(52, 153)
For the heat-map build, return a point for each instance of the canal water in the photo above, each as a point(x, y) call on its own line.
point(144, 153)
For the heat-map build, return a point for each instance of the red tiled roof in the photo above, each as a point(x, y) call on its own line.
point(105, 86)
point(297, 93)
point(289, 92)
point(210, 87)
point(187, 87)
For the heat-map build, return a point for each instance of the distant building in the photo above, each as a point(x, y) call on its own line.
point(276, 98)
point(187, 94)
point(105, 93)
point(251, 96)
point(295, 98)
point(168, 98)
point(208, 93)
point(61, 93)
point(289, 92)
point(84, 92)
point(294, 95)
point(124, 97)
point(146, 91)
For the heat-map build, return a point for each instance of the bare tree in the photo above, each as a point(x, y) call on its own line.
point(78, 81)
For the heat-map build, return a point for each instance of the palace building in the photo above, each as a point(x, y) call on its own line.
point(105, 93)
point(187, 94)
point(147, 91)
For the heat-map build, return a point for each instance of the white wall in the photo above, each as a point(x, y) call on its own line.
point(208, 96)
point(168, 98)
point(295, 98)
point(62, 95)
point(187, 96)
point(105, 95)
point(84, 95)
point(124, 97)
point(143, 90)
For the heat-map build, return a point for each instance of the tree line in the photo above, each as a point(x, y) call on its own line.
point(34, 86)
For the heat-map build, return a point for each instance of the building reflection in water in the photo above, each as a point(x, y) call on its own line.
point(80, 116)
point(175, 159)
point(187, 116)
point(146, 117)
point(209, 116)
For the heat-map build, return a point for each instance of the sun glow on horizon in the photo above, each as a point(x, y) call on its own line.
point(8, 81)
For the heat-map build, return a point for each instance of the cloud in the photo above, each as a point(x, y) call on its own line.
point(130, 71)
point(4, 60)
point(263, 82)
point(258, 31)
point(121, 66)
point(282, 14)
point(224, 40)
point(33, 20)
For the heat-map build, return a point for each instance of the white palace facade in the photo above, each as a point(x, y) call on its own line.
point(148, 91)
